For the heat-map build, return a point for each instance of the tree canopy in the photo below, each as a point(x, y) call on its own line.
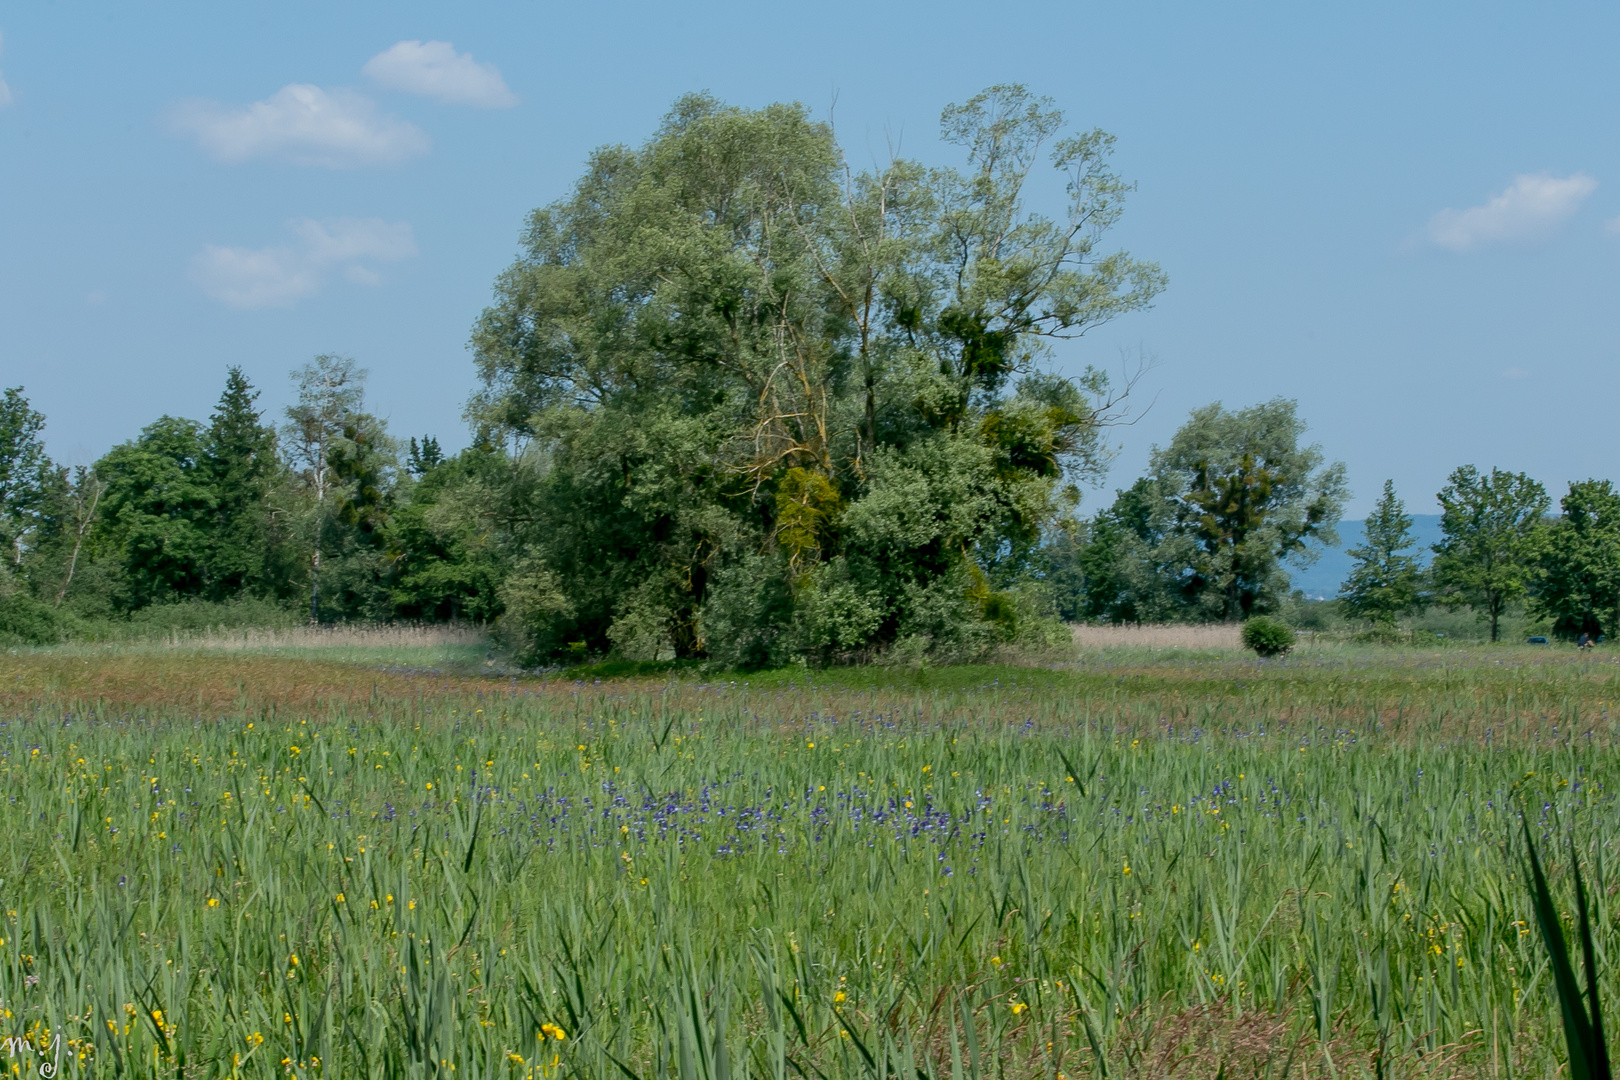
point(1490, 525)
point(1578, 586)
point(768, 406)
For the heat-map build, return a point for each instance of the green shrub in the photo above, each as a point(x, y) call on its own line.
point(26, 621)
point(1268, 637)
point(1380, 634)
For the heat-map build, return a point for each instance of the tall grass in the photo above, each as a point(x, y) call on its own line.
point(1253, 870)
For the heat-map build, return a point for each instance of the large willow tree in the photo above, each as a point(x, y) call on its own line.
point(771, 407)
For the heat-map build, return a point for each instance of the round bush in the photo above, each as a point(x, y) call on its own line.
point(1268, 637)
point(26, 621)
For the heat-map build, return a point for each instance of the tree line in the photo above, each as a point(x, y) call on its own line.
point(326, 513)
point(1500, 546)
point(739, 401)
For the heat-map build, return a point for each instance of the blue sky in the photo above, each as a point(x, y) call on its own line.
point(1407, 217)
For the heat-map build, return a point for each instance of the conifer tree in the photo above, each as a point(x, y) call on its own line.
point(1385, 582)
point(240, 457)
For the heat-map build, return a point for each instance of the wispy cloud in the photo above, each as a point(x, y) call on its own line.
point(305, 125)
point(5, 91)
point(1612, 226)
point(1531, 209)
point(1515, 373)
point(281, 275)
point(434, 69)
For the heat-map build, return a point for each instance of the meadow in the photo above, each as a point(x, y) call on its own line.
point(1144, 858)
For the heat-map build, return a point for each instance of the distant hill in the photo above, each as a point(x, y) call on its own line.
point(1321, 580)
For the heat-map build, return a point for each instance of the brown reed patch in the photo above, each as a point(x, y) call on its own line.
point(1157, 636)
point(343, 636)
point(207, 682)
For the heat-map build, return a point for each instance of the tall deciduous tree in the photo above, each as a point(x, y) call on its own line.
point(1579, 583)
point(25, 472)
point(769, 406)
point(1385, 582)
point(1490, 526)
point(331, 390)
point(1244, 495)
point(160, 508)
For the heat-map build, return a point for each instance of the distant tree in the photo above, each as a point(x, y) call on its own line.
point(76, 509)
point(364, 467)
point(1118, 562)
point(425, 458)
point(363, 463)
point(1384, 583)
point(1243, 496)
point(160, 508)
point(1579, 584)
point(447, 541)
point(331, 390)
point(1490, 526)
point(25, 472)
point(239, 453)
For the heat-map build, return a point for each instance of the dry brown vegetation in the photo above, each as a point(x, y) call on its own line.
point(1158, 636)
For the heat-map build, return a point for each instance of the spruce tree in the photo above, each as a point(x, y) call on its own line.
point(1384, 582)
point(424, 458)
point(240, 458)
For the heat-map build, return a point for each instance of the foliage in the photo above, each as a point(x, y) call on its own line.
point(446, 550)
point(1267, 636)
point(423, 459)
point(26, 621)
point(159, 506)
point(25, 471)
point(1245, 496)
point(1384, 583)
point(1122, 578)
point(773, 408)
point(1579, 561)
point(1582, 1013)
point(239, 454)
point(1491, 526)
point(1205, 535)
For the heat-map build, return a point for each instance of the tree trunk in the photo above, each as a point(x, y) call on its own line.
point(315, 585)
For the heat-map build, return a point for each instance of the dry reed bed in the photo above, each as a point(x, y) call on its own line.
point(344, 636)
point(1157, 636)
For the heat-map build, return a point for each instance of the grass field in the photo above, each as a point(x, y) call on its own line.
point(1155, 859)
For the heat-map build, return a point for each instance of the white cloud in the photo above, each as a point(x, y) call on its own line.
point(281, 275)
point(1612, 226)
point(1531, 208)
point(1515, 373)
point(434, 69)
point(5, 91)
point(305, 125)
